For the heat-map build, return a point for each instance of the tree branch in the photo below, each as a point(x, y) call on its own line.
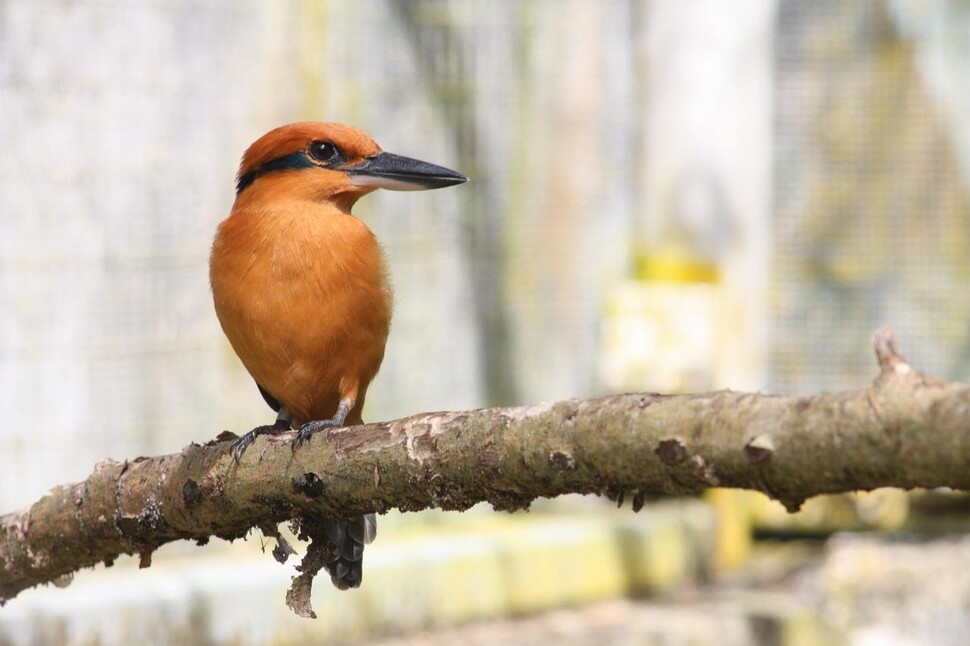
point(906, 430)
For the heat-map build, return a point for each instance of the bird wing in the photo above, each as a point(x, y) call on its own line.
point(272, 401)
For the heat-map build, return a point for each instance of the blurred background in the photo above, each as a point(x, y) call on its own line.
point(665, 196)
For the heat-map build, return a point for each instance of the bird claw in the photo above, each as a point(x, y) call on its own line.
point(307, 430)
point(241, 444)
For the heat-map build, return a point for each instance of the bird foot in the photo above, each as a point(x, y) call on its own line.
point(307, 430)
point(240, 445)
point(338, 419)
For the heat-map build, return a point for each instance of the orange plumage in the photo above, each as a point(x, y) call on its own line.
point(300, 284)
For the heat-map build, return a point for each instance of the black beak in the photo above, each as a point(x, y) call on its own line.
point(399, 173)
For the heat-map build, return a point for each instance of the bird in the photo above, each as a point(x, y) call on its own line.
point(300, 287)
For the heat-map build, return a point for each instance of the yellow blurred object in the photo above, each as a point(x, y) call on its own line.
point(549, 564)
point(660, 330)
point(733, 534)
point(666, 544)
point(675, 267)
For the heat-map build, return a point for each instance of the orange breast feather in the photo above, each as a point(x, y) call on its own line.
point(302, 295)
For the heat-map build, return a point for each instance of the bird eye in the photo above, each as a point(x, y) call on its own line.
point(323, 151)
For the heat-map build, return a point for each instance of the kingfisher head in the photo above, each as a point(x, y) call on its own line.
point(330, 161)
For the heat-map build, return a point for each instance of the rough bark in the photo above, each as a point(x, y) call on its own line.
point(907, 430)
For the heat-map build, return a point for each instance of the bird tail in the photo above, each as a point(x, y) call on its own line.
point(347, 540)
